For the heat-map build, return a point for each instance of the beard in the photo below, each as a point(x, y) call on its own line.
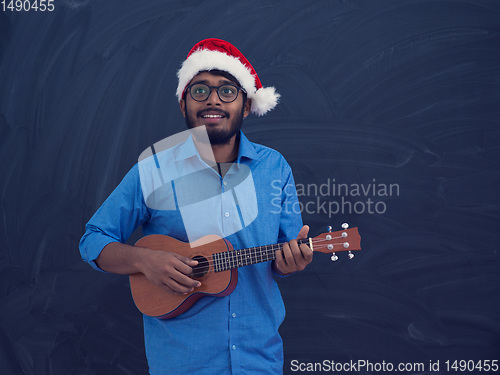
point(219, 136)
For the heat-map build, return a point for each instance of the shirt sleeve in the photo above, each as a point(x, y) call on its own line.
point(291, 218)
point(120, 214)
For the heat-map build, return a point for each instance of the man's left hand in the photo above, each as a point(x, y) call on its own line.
point(293, 257)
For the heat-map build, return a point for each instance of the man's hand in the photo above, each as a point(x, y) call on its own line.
point(170, 271)
point(293, 257)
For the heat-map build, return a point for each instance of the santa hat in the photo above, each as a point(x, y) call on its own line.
point(218, 54)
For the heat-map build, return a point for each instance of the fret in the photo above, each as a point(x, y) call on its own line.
point(247, 258)
point(236, 258)
point(222, 261)
point(230, 257)
point(231, 260)
point(217, 263)
point(225, 262)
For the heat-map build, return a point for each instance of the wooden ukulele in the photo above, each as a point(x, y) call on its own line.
point(218, 266)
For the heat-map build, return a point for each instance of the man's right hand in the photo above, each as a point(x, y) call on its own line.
point(169, 271)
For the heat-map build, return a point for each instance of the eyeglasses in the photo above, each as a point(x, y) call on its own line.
point(201, 92)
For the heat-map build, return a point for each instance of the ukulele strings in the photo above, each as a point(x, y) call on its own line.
point(210, 263)
point(270, 247)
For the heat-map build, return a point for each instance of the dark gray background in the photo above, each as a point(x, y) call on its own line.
point(403, 92)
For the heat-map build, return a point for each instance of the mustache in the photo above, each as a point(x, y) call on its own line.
point(212, 110)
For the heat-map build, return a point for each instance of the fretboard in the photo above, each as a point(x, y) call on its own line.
point(238, 258)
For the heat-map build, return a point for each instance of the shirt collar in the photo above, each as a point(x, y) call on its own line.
point(247, 149)
point(188, 149)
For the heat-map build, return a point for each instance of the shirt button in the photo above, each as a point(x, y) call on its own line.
point(225, 183)
point(233, 347)
point(226, 214)
point(233, 315)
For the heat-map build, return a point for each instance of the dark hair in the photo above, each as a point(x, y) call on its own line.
point(222, 73)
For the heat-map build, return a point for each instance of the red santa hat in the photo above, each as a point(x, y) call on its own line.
point(218, 54)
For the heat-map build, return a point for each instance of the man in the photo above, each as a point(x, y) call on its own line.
point(236, 334)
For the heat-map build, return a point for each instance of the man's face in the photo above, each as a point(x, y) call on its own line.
point(222, 120)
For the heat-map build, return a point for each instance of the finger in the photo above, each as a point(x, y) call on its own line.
point(279, 257)
point(186, 260)
point(280, 263)
point(296, 252)
point(176, 287)
point(306, 251)
point(303, 232)
point(306, 256)
point(185, 280)
point(301, 255)
point(181, 266)
point(287, 254)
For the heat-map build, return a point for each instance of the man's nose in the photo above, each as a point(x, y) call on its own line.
point(213, 97)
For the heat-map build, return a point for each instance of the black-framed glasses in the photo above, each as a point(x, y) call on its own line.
point(226, 93)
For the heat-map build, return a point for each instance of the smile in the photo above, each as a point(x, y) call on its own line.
point(212, 116)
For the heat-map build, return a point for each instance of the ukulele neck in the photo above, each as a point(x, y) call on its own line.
point(239, 258)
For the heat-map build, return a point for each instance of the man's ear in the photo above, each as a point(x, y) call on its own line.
point(248, 107)
point(182, 104)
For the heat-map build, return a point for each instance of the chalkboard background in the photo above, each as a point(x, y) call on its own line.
point(400, 93)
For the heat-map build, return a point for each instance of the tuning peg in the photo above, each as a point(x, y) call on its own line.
point(334, 257)
point(350, 255)
point(329, 228)
point(345, 226)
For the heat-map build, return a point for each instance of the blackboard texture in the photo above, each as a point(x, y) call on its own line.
point(389, 117)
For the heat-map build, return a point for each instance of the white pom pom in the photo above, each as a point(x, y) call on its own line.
point(263, 100)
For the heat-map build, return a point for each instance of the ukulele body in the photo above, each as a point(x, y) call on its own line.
point(154, 301)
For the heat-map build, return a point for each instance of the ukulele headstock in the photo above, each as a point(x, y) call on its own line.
point(347, 239)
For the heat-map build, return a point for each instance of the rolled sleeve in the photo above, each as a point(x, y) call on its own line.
point(120, 214)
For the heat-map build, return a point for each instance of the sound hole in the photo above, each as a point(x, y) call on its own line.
point(201, 268)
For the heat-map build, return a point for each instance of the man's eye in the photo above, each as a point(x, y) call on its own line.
point(200, 90)
point(227, 90)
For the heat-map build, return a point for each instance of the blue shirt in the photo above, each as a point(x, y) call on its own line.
point(236, 334)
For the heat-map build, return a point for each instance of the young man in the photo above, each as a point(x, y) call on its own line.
point(238, 333)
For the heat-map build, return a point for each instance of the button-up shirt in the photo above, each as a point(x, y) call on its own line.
point(253, 204)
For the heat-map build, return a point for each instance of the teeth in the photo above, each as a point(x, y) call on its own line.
point(212, 116)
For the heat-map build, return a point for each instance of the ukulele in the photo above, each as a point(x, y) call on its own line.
point(217, 267)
